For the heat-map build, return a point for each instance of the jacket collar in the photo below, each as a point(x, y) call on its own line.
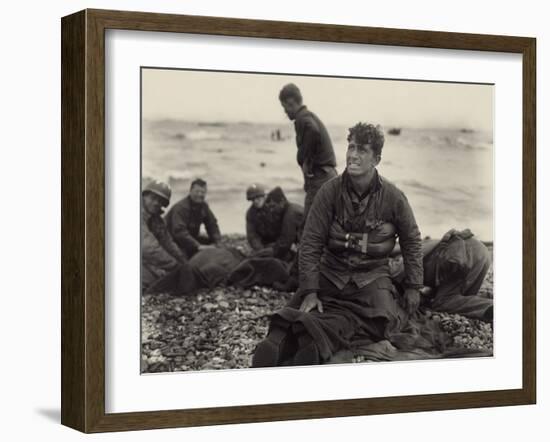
point(375, 185)
point(301, 110)
point(353, 204)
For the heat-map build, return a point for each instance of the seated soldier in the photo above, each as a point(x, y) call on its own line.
point(454, 270)
point(256, 195)
point(185, 218)
point(272, 223)
point(159, 254)
point(345, 286)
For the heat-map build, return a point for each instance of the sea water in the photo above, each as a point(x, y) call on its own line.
point(446, 174)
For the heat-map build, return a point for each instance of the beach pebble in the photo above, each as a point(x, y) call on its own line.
point(209, 306)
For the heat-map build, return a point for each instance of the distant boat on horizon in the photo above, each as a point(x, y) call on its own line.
point(394, 131)
point(213, 124)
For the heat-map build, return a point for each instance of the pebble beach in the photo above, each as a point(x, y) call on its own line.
point(219, 328)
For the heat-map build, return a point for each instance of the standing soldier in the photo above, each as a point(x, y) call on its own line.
point(315, 153)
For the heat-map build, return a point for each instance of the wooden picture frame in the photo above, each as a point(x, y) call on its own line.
point(83, 220)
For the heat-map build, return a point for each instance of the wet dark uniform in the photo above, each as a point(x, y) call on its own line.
point(315, 153)
point(184, 220)
point(354, 286)
point(276, 225)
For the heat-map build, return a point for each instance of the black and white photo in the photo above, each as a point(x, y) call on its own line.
point(296, 220)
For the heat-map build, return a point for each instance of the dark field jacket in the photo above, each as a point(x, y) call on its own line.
point(159, 253)
point(333, 204)
point(315, 149)
point(277, 222)
point(184, 220)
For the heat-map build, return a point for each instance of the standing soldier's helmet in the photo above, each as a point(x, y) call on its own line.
point(254, 191)
point(159, 188)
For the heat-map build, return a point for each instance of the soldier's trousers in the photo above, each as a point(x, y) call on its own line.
point(312, 186)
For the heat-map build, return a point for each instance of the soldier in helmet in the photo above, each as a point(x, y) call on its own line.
point(256, 195)
point(159, 253)
point(185, 218)
point(272, 222)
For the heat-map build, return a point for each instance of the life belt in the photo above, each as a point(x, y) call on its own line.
point(377, 243)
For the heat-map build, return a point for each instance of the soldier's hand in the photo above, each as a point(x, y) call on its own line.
point(310, 302)
point(412, 300)
point(306, 172)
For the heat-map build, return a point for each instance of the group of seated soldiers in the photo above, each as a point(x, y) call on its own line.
point(173, 246)
point(345, 283)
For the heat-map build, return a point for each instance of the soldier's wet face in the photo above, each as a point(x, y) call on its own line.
point(198, 193)
point(291, 106)
point(153, 203)
point(259, 201)
point(360, 158)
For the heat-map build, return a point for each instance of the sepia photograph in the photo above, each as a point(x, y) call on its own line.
point(302, 220)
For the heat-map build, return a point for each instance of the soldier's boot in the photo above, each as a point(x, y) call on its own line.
point(274, 349)
point(308, 352)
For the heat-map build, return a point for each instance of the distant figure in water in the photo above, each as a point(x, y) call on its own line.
point(315, 154)
point(185, 218)
point(272, 223)
point(276, 135)
point(159, 253)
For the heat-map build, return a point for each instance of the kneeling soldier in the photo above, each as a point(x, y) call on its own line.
point(272, 223)
point(345, 286)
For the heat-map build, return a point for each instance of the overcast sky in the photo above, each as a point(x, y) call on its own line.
point(221, 96)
